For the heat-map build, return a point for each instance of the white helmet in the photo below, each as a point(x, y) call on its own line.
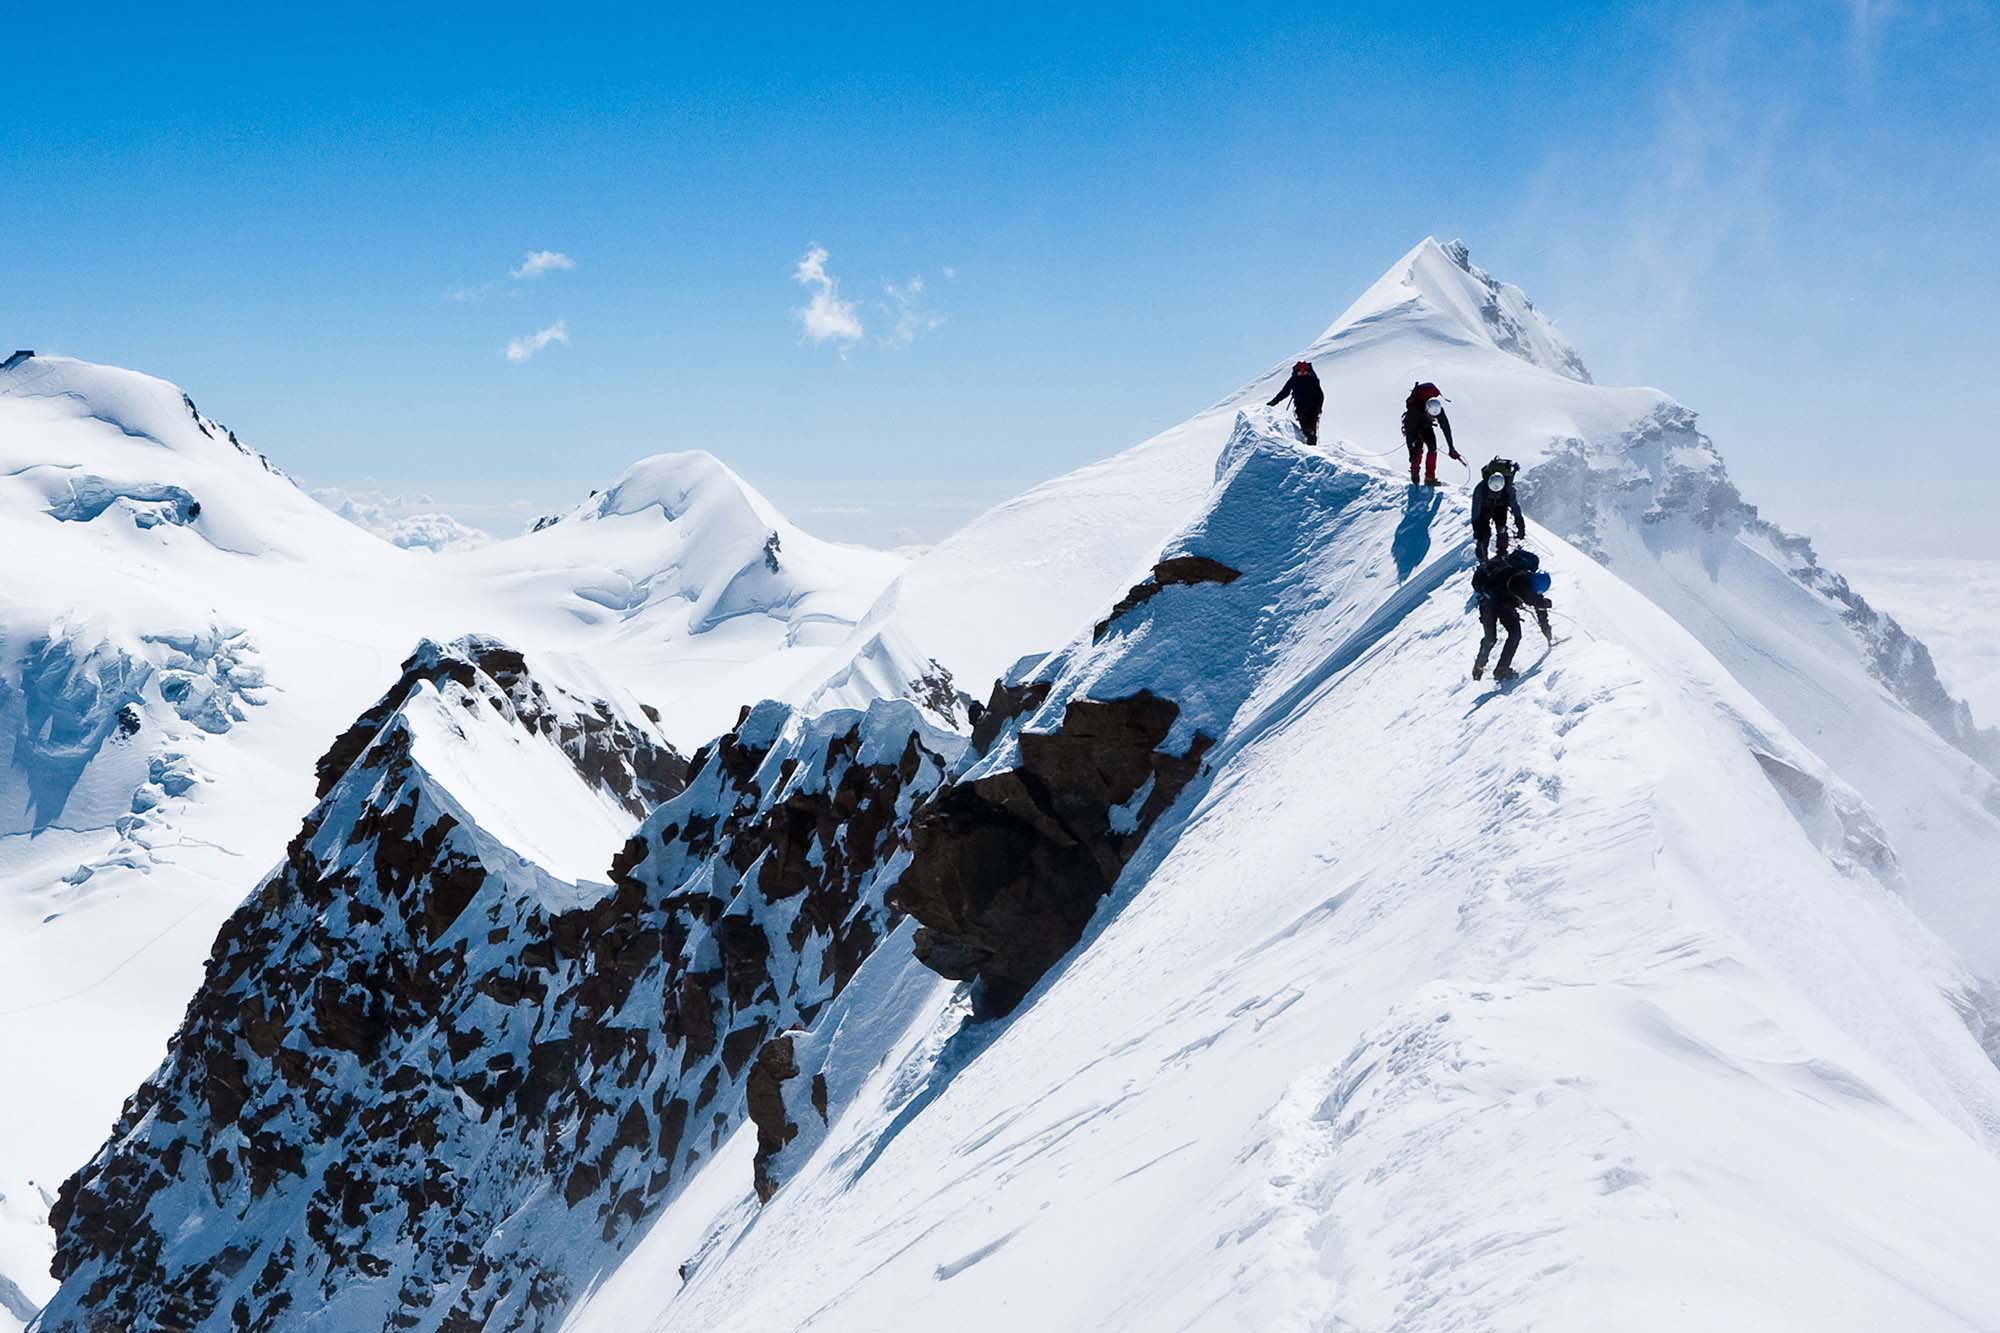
point(1434, 406)
point(1496, 481)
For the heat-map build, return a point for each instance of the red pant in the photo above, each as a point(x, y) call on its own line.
point(1427, 452)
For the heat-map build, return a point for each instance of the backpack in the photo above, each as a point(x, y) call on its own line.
point(1491, 579)
point(1414, 419)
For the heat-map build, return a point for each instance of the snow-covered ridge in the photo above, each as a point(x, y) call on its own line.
point(138, 405)
point(198, 629)
point(1307, 982)
point(355, 1012)
point(453, 1057)
point(1622, 471)
point(1424, 1005)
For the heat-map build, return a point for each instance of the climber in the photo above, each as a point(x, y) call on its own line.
point(1492, 500)
point(1307, 399)
point(1503, 585)
point(1423, 413)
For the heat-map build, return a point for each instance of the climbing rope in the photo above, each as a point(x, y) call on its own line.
point(1580, 626)
point(1348, 445)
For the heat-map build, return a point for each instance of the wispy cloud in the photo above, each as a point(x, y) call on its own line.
point(825, 317)
point(534, 264)
point(520, 349)
point(909, 316)
point(537, 262)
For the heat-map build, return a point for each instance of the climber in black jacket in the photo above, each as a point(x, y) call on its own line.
point(1503, 585)
point(1493, 499)
point(1307, 399)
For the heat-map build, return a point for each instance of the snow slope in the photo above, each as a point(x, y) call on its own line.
point(1623, 472)
point(1591, 1003)
point(430, 1081)
point(186, 632)
point(684, 583)
point(1663, 982)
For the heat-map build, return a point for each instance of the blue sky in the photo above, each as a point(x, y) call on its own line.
point(1782, 215)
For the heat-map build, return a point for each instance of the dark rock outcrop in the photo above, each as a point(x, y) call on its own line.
point(630, 762)
point(1008, 865)
point(424, 1085)
point(1179, 569)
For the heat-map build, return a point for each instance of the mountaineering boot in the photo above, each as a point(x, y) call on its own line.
point(1432, 481)
point(1479, 671)
point(1504, 673)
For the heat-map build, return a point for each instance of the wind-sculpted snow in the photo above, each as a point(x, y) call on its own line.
point(1422, 1005)
point(1079, 760)
point(1664, 479)
point(146, 504)
point(1301, 981)
point(1622, 472)
point(428, 1084)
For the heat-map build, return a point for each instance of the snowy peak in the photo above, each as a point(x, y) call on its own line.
point(424, 1086)
point(689, 483)
point(366, 1013)
point(137, 405)
point(115, 452)
point(1349, 992)
point(621, 759)
point(1440, 289)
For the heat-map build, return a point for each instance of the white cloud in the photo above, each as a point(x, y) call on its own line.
point(478, 291)
point(537, 262)
point(520, 349)
point(391, 518)
point(825, 318)
point(950, 272)
point(907, 310)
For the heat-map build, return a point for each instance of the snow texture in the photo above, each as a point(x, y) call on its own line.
point(1290, 978)
point(1590, 1002)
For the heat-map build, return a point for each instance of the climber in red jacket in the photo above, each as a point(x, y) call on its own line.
point(1423, 413)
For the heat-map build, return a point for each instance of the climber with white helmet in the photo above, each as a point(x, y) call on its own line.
point(1493, 499)
point(1423, 415)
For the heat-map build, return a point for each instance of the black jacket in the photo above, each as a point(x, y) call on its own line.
point(1305, 392)
point(1493, 507)
point(1502, 582)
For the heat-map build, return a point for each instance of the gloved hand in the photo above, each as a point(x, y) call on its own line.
point(1520, 532)
point(1454, 453)
point(1542, 619)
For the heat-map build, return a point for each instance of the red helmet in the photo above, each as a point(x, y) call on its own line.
point(1302, 368)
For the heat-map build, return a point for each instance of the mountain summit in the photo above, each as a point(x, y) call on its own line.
point(1236, 960)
